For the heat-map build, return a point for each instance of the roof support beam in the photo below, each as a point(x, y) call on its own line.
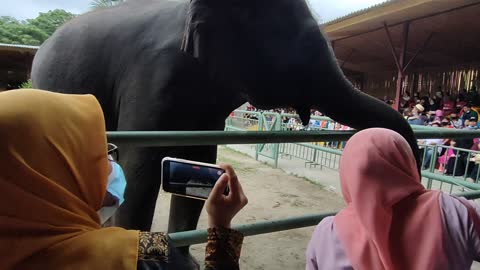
point(348, 58)
point(420, 50)
point(392, 47)
point(400, 62)
point(411, 20)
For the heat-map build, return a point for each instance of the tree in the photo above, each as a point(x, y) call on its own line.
point(51, 20)
point(95, 4)
point(33, 31)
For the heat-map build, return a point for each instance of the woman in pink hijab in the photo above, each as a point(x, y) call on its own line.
point(391, 221)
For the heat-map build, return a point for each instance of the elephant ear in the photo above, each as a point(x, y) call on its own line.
point(194, 39)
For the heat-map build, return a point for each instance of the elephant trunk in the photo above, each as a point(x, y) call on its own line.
point(351, 107)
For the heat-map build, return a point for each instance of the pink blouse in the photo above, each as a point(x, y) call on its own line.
point(463, 244)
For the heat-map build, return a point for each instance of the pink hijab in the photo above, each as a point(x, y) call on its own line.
point(391, 221)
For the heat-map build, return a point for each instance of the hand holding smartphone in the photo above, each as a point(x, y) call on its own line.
point(190, 178)
point(222, 208)
point(201, 181)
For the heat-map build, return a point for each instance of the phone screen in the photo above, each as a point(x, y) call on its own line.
point(188, 179)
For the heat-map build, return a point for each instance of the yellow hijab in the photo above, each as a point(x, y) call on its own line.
point(53, 176)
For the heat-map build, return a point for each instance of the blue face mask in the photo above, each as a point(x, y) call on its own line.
point(116, 187)
point(117, 182)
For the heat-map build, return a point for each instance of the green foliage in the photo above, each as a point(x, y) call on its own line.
point(51, 20)
point(27, 84)
point(32, 31)
point(95, 4)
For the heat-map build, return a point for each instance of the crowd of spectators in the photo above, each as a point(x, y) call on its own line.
point(443, 109)
point(447, 111)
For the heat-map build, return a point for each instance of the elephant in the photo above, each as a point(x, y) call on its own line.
point(185, 65)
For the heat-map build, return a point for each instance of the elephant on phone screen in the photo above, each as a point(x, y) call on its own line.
point(185, 65)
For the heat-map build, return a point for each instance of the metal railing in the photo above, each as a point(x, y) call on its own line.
point(187, 238)
point(196, 138)
point(310, 153)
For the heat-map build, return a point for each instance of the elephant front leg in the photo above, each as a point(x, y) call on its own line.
point(185, 212)
point(142, 171)
point(184, 215)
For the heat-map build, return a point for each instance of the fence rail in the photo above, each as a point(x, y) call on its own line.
point(197, 138)
point(200, 236)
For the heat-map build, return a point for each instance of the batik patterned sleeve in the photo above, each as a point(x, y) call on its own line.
point(223, 249)
point(153, 250)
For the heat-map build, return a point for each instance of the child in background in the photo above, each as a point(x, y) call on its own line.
point(474, 174)
point(449, 153)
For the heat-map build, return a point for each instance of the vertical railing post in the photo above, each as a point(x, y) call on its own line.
point(432, 164)
point(277, 127)
point(259, 128)
point(466, 167)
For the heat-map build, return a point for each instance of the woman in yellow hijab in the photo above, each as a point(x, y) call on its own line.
point(53, 178)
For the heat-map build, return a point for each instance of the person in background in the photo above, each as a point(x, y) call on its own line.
point(471, 124)
point(406, 113)
point(438, 115)
point(415, 118)
point(394, 224)
point(422, 115)
point(336, 127)
point(418, 109)
point(446, 123)
point(55, 176)
point(405, 101)
point(430, 148)
point(292, 123)
point(430, 117)
point(448, 105)
point(474, 174)
point(385, 99)
point(455, 121)
point(424, 101)
point(435, 103)
point(460, 102)
point(468, 113)
point(449, 153)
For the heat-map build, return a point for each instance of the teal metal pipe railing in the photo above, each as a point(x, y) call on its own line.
point(187, 238)
point(195, 138)
point(449, 180)
point(471, 195)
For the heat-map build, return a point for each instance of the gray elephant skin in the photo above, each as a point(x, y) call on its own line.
point(185, 65)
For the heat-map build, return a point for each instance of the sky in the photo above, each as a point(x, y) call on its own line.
point(26, 9)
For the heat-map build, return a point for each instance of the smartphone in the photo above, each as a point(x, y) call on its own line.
point(189, 178)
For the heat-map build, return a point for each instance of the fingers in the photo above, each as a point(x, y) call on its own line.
point(219, 187)
point(234, 184)
point(228, 169)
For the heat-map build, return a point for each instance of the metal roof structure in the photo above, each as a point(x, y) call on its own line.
point(409, 45)
point(361, 43)
point(15, 63)
point(358, 12)
point(16, 56)
point(18, 47)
